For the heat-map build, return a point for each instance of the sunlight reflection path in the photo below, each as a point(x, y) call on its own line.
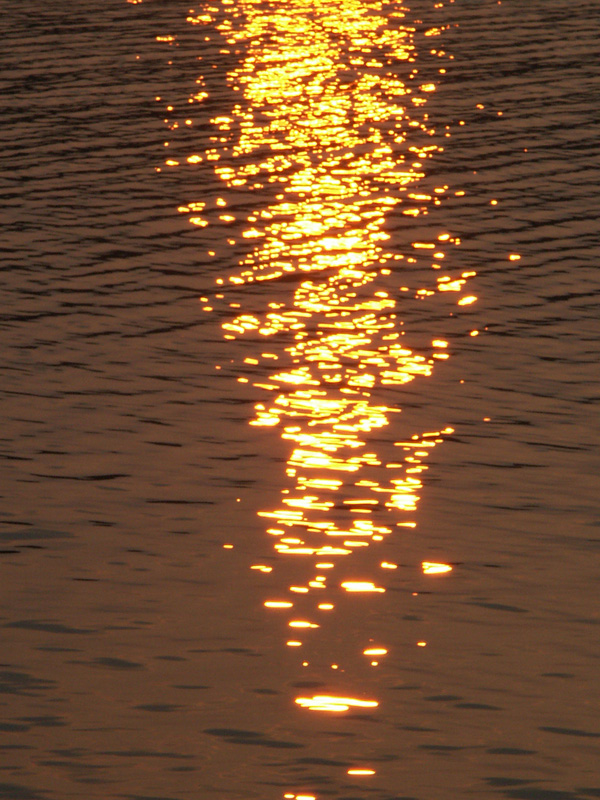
point(331, 124)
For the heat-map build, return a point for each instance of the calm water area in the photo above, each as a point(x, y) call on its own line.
point(299, 350)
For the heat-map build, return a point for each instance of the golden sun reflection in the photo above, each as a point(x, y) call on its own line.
point(432, 568)
point(325, 145)
point(324, 702)
point(358, 771)
point(290, 796)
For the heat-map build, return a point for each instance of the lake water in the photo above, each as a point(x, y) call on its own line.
point(300, 343)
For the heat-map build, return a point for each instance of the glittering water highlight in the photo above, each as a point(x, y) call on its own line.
point(243, 554)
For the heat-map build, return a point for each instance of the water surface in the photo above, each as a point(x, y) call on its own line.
point(300, 444)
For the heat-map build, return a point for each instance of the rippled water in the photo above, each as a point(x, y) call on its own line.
point(300, 338)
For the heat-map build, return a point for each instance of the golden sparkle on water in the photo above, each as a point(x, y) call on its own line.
point(290, 796)
point(361, 771)
point(326, 141)
point(332, 703)
point(432, 568)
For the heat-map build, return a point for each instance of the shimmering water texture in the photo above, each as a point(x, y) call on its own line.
point(329, 142)
point(331, 115)
point(298, 466)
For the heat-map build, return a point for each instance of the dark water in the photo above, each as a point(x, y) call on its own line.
point(285, 401)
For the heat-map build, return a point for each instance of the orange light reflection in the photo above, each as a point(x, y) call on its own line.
point(326, 143)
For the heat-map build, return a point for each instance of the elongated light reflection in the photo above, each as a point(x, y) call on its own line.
point(327, 141)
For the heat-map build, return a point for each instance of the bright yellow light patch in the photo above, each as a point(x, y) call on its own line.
point(361, 586)
point(432, 568)
point(325, 702)
point(356, 771)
